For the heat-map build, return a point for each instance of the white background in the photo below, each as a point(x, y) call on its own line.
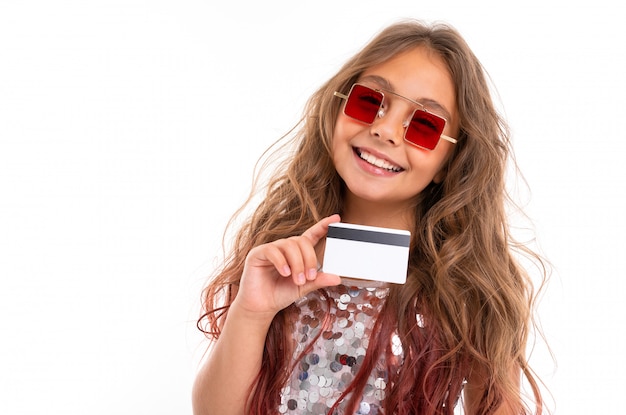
point(128, 134)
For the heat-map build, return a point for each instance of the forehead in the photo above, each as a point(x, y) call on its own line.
point(419, 74)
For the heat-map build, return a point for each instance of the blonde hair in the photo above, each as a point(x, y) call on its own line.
point(475, 299)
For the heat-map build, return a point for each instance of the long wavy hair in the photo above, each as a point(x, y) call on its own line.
point(475, 300)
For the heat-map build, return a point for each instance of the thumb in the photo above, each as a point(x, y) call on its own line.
point(316, 232)
point(322, 280)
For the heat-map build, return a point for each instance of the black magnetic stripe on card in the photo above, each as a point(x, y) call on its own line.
point(362, 235)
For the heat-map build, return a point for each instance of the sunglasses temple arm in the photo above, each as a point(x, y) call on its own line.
point(340, 95)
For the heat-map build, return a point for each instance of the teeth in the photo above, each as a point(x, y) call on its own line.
point(383, 164)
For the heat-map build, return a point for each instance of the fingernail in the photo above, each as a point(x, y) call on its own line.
point(286, 270)
point(312, 273)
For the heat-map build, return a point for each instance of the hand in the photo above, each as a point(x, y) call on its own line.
point(278, 273)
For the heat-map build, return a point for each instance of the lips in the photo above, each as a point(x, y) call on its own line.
point(378, 162)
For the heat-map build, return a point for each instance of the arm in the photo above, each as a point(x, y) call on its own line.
point(223, 383)
point(274, 276)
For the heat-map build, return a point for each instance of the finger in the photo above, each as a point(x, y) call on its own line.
point(323, 280)
point(301, 257)
point(316, 232)
point(273, 254)
point(309, 257)
point(292, 249)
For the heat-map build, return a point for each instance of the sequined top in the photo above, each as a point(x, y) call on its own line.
point(325, 371)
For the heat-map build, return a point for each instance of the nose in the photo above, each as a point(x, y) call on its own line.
point(389, 125)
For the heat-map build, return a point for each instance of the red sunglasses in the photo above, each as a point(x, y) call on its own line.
point(423, 129)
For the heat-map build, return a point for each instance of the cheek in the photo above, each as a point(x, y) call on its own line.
point(341, 133)
point(346, 127)
point(441, 167)
point(431, 165)
point(337, 141)
point(334, 139)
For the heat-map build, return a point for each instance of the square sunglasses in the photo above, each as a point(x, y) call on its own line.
point(423, 129)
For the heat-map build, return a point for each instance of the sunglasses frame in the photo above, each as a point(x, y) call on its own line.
point(381, 112)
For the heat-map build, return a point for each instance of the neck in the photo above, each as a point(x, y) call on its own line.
point(390, 215)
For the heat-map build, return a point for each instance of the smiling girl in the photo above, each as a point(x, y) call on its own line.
point(404, 136)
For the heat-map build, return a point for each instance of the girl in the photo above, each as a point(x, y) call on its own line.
point(404, 136)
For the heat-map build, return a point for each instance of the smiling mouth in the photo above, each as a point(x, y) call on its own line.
point(374, 161)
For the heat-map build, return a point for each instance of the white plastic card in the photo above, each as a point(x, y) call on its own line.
point(367, 252)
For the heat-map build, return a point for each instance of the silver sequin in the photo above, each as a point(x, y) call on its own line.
point(329, 367)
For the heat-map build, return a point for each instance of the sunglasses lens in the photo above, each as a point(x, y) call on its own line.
point(425, 129)
point(363, 103)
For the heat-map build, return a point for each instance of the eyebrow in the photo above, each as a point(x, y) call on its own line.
point(426, 102)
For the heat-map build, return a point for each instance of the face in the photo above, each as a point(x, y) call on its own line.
point(376, 163)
